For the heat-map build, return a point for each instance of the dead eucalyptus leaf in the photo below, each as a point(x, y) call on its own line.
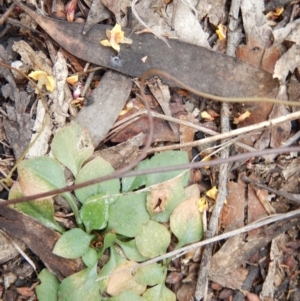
point(241, 79)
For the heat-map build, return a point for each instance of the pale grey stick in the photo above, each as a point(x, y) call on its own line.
point(240, 131)
point(180, 252)
point(202, 281)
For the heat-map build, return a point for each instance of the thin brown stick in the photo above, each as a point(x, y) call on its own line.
point(117, 173)
point(7, 13)
point(124, 171)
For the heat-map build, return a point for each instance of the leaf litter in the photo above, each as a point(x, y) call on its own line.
point(171, 216)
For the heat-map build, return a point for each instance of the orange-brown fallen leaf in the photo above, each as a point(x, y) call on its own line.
point(25, 291)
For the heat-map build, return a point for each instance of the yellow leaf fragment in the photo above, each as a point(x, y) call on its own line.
point(278, 11)
point(203, 201)
point(212, 193)
point(273, 15)
point(202, 204)
point(115, 37)
point(241, 118)
point(129, 106)
point(206, 116)
point(43, 79)
point(72, 80)
point(221, 32)
point(105, 43)
point(206, 159)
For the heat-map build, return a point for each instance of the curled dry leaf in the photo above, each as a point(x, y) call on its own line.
point(287, 63)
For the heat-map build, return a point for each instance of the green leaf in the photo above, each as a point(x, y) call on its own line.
point(73, 244)
point(131, 251)
point(43, 174)
point(48, 289)
point(159, 292)
point(114, 260)
point(40, 174)
point(132, 183)
point(90, 258)
point(42, 211)
point(186, 222)
point(163, 198)
point(168, 158)
point(81, 286)
point(94, 213)
point(71, 146)
point(128, 213)
point(153, 240)
point(150, 275)
point(127, 296)
point(98, 167)
point(109, 239)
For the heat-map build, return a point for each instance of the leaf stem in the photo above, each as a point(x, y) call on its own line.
point(74, 208)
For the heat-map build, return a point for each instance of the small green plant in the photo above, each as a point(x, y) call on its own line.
point(130, 215)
